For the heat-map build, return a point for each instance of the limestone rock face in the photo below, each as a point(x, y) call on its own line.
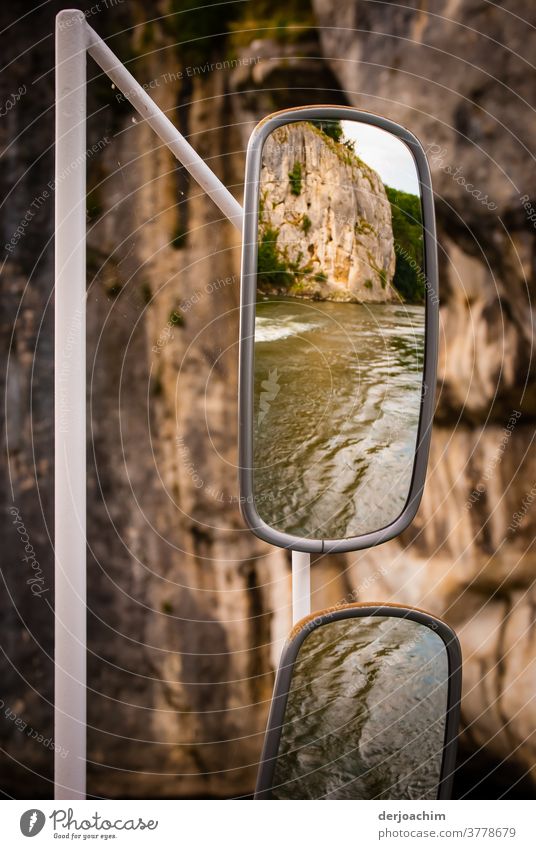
point(329, 214)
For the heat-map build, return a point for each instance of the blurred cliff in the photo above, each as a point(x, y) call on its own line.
point(187, 609)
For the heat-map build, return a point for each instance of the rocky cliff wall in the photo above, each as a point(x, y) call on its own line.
point(329, 217)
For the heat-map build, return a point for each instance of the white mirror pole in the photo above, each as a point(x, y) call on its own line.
point(301, 585)
point(70, 411)
point(73, 38)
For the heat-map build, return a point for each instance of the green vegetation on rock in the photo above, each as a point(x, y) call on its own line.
point(409, 279)
point(345, 150)
point(272, 270)
point(295, 179)
point(306, 224)
point(332, 129)
point(277, 272)
point(286, 23)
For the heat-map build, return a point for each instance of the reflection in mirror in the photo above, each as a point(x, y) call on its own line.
point(366, 713)
point(339, 330)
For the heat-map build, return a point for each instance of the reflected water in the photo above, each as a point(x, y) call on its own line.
point(365, 716)
point(337, 401)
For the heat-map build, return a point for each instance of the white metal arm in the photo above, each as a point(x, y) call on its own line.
point(163, 127)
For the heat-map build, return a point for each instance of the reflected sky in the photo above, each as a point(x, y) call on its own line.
point(389, 156)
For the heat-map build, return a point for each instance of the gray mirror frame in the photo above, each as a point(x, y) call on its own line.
point(284, 676)
point(247, 331)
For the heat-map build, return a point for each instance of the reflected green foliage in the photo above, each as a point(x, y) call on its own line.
point(271, 268)
point(345, 150)
point(275, 271)
point(406, 213)
point(331, 128)
point(306, 224)
point(334, 131)
point(295, 179)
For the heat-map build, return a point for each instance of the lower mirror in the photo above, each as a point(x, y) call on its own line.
point(366, 706)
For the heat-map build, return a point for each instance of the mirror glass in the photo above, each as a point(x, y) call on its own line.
point(339, 329)
point(366, 713)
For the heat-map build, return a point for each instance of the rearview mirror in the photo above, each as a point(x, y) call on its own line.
point(365, 706)
point(338, 329)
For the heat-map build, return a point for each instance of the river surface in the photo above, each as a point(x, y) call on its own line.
point(365, 716)
point(337, 401)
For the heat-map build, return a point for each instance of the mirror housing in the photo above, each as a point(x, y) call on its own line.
point(259, 526)
point(362, 697)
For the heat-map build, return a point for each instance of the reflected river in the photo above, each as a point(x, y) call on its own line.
point(365, 716)
point(337, 402)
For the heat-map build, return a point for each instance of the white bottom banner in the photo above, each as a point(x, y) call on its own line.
point(258, 825)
